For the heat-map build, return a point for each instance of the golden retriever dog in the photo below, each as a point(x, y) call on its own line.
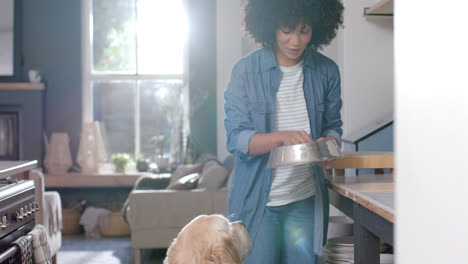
point(210, 239)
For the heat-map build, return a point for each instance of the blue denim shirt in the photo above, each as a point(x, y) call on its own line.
point(250, 106)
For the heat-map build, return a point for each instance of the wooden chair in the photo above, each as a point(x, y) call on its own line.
point(376, 160)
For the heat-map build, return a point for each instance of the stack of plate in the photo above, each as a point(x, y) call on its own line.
point(340, 250)
point(385, 248)
point(386, 258)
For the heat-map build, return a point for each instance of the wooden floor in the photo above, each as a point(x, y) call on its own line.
point(79, 250)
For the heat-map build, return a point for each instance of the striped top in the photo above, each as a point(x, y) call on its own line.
point(292, 183)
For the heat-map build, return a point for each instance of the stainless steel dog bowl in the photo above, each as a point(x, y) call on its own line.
point(304, 153)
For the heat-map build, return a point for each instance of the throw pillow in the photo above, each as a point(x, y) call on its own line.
point(185, 183)
point(212, 175)
point(230, 177)
point(183, 170)
point(205, 157)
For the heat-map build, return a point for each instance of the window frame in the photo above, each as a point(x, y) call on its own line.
point(88, 77)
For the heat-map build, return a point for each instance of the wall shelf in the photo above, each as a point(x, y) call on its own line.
point(380, 8)
point(21, 86)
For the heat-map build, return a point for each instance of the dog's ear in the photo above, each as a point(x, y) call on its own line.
point(173, 252)
point(224, 252)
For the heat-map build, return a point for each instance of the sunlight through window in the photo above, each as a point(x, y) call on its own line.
point(136, 74)
point(162, 31)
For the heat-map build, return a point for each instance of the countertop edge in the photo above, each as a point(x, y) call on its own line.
point(16, 167)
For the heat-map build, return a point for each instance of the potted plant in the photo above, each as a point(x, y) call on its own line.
point(121, 160)
point(160, 142)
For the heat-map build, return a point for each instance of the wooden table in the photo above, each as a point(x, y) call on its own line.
point(369, 200)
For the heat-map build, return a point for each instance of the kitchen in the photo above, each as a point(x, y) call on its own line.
point(385, 64)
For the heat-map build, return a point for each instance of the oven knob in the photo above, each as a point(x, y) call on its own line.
point(28, 209)
point(24, 212)
point(3, 223)
point(37, 206)
point(33, 209)
point(19, 216)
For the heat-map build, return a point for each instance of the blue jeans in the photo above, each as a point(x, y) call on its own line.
point(285, 235)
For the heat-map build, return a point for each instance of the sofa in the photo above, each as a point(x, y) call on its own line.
point(156, 216)
point(49, 214)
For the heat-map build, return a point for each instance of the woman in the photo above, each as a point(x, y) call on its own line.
point(282, 94)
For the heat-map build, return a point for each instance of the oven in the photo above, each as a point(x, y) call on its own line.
point(17, 211)
point(10, 131)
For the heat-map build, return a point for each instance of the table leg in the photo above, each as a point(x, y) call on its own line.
point(366, 244)
point(137, 255)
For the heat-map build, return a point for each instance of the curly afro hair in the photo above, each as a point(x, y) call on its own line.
point(263, 17)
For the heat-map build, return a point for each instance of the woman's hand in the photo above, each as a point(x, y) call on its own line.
point(327, 163)
point(294, 137)
point(263, 143)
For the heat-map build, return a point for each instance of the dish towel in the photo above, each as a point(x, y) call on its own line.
point(54, 208)
point(94, 219)
point(40, 242)
point(25, 249)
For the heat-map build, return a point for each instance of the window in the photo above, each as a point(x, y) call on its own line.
point(134, 74)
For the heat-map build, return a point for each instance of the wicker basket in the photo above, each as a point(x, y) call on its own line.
point(70, 221)
point(116, 226)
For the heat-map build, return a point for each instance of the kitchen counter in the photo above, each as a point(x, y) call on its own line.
point(369, 200)
point(374, 192)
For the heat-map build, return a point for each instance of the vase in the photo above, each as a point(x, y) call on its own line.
point(143, 165)
point(91, 152)
point(163, 163)
point(58, 157)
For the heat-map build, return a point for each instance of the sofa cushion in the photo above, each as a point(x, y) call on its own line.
point(152, 182)
point(147, 182)
point(213, 175)
point(187, 182)
point(230, 177)
point(229, 162)
point(183, 170)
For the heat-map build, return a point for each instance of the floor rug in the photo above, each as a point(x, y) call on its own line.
point(79, 250)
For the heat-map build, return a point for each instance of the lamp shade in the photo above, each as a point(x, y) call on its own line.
point(91, 151)
point(58, 157)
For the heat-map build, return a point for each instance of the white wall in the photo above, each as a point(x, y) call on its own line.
point(228, 51)
point(431, 95)
point(6, 37)
point(365, 57)
point(363, 49)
